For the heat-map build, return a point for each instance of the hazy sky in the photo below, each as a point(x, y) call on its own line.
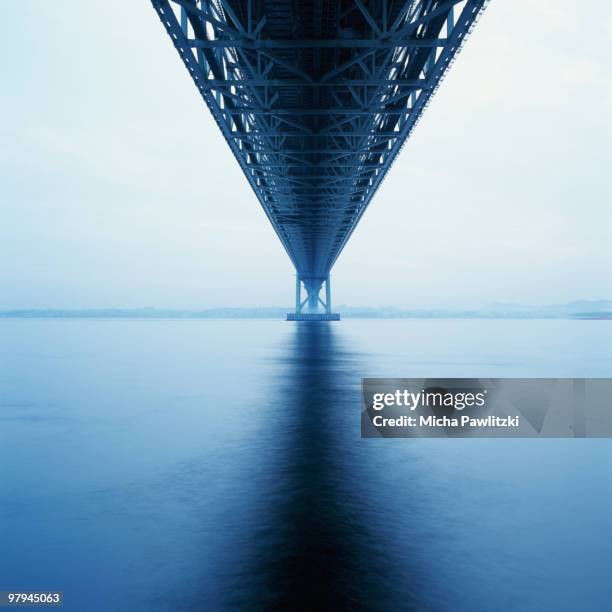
point(116, 188)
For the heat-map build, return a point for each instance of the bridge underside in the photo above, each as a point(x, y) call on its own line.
point(316, 99)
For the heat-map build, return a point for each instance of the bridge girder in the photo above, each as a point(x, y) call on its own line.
point(316, 99)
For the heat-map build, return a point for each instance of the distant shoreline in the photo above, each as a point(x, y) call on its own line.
point(565, 311)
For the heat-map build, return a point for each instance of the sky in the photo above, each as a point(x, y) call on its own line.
point(118, 190)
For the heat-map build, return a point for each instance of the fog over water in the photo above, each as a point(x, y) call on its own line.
point(217, 465)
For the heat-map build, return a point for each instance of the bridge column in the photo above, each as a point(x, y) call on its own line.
point(312, 300)
point(299, 303)
point(298, 293)
point(327, 295)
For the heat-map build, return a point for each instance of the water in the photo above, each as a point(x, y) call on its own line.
point(217, 465)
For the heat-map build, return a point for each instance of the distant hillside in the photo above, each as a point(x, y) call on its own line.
point(579, 309)
point(570, 309)
point(146, 313)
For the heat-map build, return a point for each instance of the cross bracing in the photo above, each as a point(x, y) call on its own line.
point(316, 98)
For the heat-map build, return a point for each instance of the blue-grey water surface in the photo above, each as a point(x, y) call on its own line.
point(218, 465)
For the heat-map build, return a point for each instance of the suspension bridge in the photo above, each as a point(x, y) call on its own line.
point(315, 99)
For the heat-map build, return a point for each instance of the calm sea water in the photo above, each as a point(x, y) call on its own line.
point(217, 465)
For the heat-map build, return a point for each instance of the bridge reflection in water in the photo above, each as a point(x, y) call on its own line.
point(319, 542)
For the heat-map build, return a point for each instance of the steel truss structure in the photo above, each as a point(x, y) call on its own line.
point(315, 99)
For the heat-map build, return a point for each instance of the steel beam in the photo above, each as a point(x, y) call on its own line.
point(315, 110)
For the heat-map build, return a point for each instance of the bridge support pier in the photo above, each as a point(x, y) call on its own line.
point(308, 309)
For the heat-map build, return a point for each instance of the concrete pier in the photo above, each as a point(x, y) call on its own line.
point(313, 316)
